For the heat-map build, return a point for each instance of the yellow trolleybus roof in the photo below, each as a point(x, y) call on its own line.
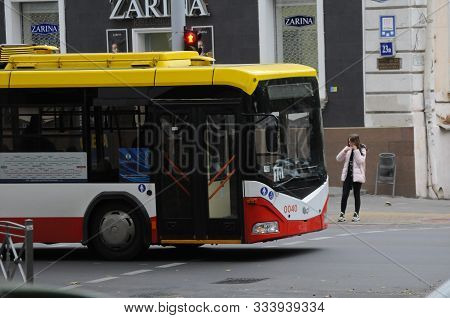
point(138, 69)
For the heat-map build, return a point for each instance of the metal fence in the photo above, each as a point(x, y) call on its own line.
point(12, 259)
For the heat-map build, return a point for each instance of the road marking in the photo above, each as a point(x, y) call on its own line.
point(370, 232)
point(70, 287)
point(441, 292)
point(346, 234)
point(320, 238)
point(137, 272)
point(293, 243)
point(425, 228)
point(100, 280)
point(269, 246)
point(170, 265)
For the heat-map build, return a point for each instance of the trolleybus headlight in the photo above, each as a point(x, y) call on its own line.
point(265, 228)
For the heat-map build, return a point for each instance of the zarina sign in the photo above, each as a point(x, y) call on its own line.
point(299, 21)
point(44, 28)
point(141, 9)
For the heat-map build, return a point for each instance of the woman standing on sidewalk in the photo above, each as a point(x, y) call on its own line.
point(353, 174)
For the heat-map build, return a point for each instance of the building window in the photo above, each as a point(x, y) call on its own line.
point(35, 22)
point(152, 40)
point(40, 23)
point(297, 32)
point(300, 36)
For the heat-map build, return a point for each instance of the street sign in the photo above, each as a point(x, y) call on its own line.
point(387, 26)
point(387, 49)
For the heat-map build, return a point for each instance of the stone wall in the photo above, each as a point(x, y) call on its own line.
point(395, 140)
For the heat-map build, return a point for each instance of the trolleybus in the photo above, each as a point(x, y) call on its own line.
point(123, 151)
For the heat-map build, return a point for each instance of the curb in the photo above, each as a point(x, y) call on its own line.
point(442, 291)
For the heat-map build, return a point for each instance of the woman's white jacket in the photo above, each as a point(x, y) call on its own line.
point(359, 164)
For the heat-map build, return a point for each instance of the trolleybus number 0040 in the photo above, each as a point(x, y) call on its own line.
point(290, 208)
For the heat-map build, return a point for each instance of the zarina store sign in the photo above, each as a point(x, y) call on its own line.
point(44, 28)
point(142, 9)
point(299, 21)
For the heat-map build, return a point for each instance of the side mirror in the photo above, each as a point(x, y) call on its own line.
point(272, 135)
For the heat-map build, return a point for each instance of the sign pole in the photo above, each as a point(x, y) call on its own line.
point(178, 22)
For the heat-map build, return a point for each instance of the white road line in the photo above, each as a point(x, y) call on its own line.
point(70, 287)
point(269, 246)
point(100, 280)
point(170, 265)
point(425, 228)
point(293, 243)
point(370, 232)
point(442, 292)
point(320, 238)
point(137, 272)
point(345, 234)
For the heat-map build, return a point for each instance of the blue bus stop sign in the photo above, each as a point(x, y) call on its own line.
point(387, 26)
point(387, 49)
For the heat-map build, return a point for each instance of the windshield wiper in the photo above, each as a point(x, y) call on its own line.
point(283, 183)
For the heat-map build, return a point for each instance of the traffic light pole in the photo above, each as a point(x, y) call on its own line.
point(178, 21)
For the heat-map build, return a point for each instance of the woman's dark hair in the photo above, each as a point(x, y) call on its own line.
point(354, 138)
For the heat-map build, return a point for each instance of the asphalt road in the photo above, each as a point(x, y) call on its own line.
point(343, 261)
point(401, 248)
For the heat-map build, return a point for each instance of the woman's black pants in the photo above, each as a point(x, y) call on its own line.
point(346, 187)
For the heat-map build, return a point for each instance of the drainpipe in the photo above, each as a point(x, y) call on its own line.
point(428, 95)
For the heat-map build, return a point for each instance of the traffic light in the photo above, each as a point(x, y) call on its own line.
point(190, 40)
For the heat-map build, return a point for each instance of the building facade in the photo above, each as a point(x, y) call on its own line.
point(383, 99)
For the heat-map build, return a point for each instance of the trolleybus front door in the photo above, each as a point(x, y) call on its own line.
point(198, 190)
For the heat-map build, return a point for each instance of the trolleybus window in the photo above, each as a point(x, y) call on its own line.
point(45, 120)
point(117, 139)
point(6, 140)
point(296, 156)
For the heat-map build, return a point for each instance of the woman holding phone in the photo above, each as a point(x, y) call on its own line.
point(353, 174)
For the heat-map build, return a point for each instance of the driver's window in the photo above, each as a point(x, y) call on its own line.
point(298, 141)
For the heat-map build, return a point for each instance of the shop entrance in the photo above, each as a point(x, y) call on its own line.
point(152, 40)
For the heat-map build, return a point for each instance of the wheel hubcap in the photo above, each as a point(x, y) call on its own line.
point(117, 229)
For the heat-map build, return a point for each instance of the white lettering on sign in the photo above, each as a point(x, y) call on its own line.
point(151, 9)
point(134, 7)
point(44, 28)
point(299, 21)
point(196, 5)
point(130, 9)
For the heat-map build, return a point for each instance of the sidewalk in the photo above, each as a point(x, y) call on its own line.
point(387, 210)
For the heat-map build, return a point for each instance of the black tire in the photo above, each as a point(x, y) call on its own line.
point(110, 216)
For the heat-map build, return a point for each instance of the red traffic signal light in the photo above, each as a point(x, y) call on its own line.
point(190, 38)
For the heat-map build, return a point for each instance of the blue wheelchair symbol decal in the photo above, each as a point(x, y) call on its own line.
point(142, 188)
point(264, 191)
